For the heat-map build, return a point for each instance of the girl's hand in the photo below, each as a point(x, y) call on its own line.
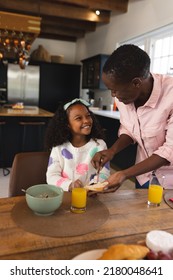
point(75, 184)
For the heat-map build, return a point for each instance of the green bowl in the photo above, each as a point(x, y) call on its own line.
point(44, 199)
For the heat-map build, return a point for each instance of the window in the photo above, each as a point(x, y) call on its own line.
point(162, 58)
point(159, 45)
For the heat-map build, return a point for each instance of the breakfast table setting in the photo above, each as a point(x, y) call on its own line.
point(110, 218)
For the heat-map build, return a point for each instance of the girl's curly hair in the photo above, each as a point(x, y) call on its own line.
point(58, 132)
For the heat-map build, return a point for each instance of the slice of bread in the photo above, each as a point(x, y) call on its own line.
point(96, 187)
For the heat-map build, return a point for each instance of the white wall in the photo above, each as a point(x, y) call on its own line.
point(54, 47)
point(142, 16)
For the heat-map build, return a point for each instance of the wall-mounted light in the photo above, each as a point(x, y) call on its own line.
point(97, 12)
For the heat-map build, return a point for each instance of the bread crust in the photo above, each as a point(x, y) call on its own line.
point(125, 252)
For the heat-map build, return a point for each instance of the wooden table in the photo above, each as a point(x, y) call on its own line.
point(130, 219)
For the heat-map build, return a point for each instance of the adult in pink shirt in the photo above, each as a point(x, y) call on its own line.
point(145, 102)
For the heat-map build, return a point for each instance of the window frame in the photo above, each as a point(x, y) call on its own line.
point(149, 39)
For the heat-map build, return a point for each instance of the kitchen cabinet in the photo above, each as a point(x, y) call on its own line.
point(59, 83)
point(3, 83)
point(3, 75)
point(15, 140)
point(21, 131)
point(92, 72)
point(125, 158)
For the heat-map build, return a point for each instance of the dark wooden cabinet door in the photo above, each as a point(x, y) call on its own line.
point(92, 72)
point(3, 83)
point(21, 134)
point(58, 83)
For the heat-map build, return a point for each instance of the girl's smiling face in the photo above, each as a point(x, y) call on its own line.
point(80, 120)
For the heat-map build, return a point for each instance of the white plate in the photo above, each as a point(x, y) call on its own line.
point(90, 255)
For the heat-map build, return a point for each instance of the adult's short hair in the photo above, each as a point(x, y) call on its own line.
point(127, 62)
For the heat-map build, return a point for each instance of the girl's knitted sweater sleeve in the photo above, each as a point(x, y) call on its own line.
point(54, 173)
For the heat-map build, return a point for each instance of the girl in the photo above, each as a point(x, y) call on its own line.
point(74, 136)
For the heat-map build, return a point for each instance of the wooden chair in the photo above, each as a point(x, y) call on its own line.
point(28, 169)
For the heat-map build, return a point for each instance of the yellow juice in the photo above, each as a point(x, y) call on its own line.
point(155, 193)
point(78, 200)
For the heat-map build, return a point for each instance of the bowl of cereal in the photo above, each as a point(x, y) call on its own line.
point(44, 199)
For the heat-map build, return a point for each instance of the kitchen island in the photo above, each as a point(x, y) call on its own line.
point(21, 130)
point(27, 111)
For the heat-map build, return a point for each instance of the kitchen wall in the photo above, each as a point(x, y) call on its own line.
point(55, 47)
point(142, 16)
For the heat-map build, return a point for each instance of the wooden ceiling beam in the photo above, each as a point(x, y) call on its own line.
point(62, 31)
point(57, 10)
point(107, 5)
point(73, 13)
point(66, 19)
point(58, 37)
point(68, 23)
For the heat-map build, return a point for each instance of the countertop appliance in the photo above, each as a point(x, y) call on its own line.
point(23, 84)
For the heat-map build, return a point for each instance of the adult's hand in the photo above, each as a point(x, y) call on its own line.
point(114, 181)
point(100, 158)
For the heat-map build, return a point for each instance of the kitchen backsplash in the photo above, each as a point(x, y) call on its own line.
point(102, 97)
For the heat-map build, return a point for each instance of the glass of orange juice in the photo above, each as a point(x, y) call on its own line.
point(78, 200)
point(155, 192)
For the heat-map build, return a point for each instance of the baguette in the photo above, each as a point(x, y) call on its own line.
point(125, 252)
point(96, 187)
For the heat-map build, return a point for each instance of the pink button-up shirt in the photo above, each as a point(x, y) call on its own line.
point(151, 126)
